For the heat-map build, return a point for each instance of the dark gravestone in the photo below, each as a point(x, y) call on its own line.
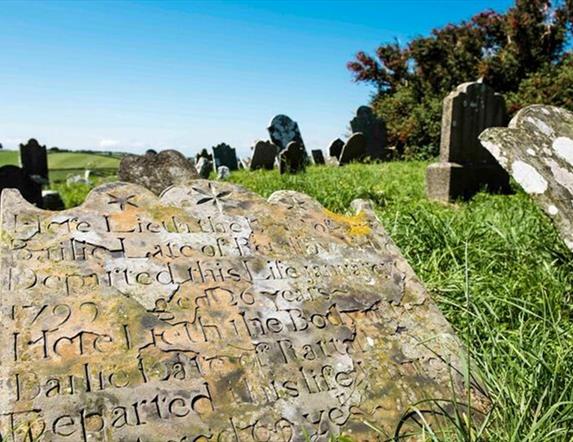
point(225, 155)
point(355, 149)
point(374, 130)
point(283, 130)
point(318, 157)
point(465, 166)
point(292, 159)
point(14, 177)
point(204, 166)
point(335, 148)
point(34, 161)
point(157, 171)
point(264, 155)
point(52, 200)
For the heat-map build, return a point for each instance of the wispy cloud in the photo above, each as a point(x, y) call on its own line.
point(107, 142)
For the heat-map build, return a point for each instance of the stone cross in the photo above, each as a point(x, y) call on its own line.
point(465, 166)
point(225, 155)
point(292, 159)
point(373, 128)
point(157, 171)
point(355, 149)
point(213, 314)
point(264, 155)
point(537, 150)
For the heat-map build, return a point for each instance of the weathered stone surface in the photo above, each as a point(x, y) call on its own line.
point(264, 155)
point(223, 173)
point(373, 128)
point(225, 155)
point(292, 159)
point(355, 149)
point(212, 312)
point(318, 157)
point(335, 148)
point(283, 130)
point(157, 172)
point(537, 150)
point(465, 166)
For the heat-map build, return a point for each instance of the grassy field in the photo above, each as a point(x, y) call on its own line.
point(516, 313)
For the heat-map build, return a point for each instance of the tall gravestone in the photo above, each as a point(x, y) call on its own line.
point(264, 155)
point(34, 160)
point(374, 130)
point(157, 171)
point(355, 149)
point(225, 155)
point(465, 166)
point(213, 314)
point(537, 150)
point(283, 130)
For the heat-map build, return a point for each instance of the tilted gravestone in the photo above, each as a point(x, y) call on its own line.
point(537, 150)
point(225, 155)
point(318, 157)
point(213, 314)
point(465, 166)
point(264, 155)
point(374, 130)
point(292, 159)
point(355, 149)
point(335, 148)
point(157, 172)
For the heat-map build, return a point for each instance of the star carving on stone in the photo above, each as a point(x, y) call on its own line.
point(298, 203)
point(212, 196)
point(122, 201)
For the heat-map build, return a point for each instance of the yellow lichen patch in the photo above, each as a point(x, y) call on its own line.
point(5, 237)
point(356, 224)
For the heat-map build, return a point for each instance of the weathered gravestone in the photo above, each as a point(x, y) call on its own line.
point(335, 148)
point(264, 155)
point(204, 167)
point(284, 130)
point(225, 155)
point(213, 314)
point(318, 157)
point(465, 166)
point(355, 149)
point(537, 150)
point(157, 172)
point(292, 159)
point(374, 130)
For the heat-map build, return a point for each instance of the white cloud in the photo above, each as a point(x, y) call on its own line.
point(106, 142)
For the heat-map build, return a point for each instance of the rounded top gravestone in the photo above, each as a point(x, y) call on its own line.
point(282, 130)
point(213, 314)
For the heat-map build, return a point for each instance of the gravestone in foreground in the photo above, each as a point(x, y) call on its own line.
point(292, 159)
point(213, 312)
point(355, 149)
point(264, 155)
point(225, 155)
point(374, 130)
point(537, 150)
point(318, 157)
point(157, 172)
point(465, 166)
point(335, 148)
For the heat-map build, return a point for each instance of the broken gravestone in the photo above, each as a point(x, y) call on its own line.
point(465, 166)
point(225, 155)
point(335, 148)
point(213, 314)
point(355, 149)
point(537, 150)
point(318, 157)
point(157, 172)
point(292, 159)
point(264, 155)
point(374, 130)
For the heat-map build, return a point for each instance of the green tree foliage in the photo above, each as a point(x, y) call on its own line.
point(520, 53)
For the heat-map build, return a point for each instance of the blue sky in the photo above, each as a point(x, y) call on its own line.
point(191, 74)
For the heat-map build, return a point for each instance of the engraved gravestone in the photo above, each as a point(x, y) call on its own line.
point(374, 130)
point(465, 166)
point(264, 155)
point(292, 159)
point(225, 155)
point(157, 171)
point(284, 130)
point(537, 150)
point(355, 149)
point(213, 314)
point(335, 148)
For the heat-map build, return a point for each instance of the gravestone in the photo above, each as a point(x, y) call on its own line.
point(34, 161)
point(335, 148)
point(52, 200)
point(14, 177)
point(283, 130)
point(204, 167)
point(465, 166)
point(158, 171)
point(292, 159)
point(355, 149)
point(213, 314)
point(223, 173)
point(264, 155)
point(225, 155)
point(318, 157)
point(537, 150)
point(374, 130)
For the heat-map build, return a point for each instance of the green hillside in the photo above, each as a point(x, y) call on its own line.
point(66, 160)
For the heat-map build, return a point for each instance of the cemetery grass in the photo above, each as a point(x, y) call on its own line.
point(496, 267)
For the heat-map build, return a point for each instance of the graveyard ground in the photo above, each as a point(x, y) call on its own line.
point(497, 269)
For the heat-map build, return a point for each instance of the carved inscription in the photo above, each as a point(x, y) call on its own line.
point(211, 314)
